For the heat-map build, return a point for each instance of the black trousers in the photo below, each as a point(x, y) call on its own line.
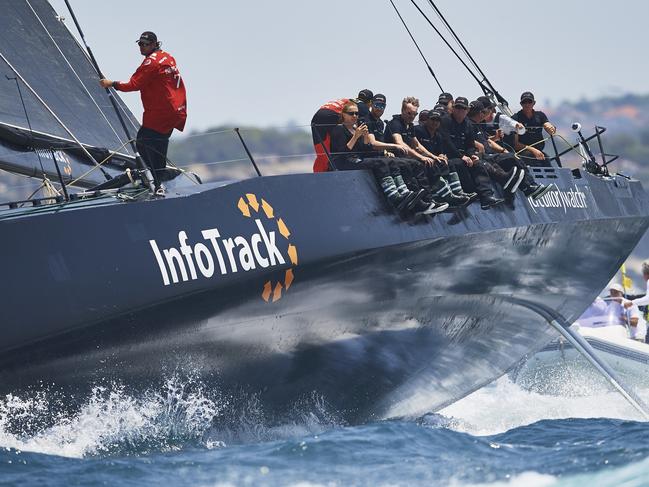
point(414, 173)
point(380, 166)
point(474, 179)
point(507, 161)
point(153, 146)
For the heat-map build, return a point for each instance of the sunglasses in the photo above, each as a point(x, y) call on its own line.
point(526, 102)
point(379, 106)
point(352, 114)
point(144, 44)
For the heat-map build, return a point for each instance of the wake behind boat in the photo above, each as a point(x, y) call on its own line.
point(283, 286)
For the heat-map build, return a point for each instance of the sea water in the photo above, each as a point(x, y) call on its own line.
point(184, 434)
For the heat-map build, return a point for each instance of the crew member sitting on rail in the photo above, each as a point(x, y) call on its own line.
point(351, 149)
point(376, 126)
point(502, 167)
point(363, 101)
point(462, 145)
point(401, 131)
point(496, 153)
point(164, 99)
point(531, 143)
point(455, 171)
point(446, 99)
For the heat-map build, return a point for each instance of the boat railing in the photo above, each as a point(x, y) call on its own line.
point(234, 154)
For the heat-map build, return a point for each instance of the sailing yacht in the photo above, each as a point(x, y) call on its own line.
point(284, 286)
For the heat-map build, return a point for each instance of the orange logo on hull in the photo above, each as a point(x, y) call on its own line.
point(249, 207)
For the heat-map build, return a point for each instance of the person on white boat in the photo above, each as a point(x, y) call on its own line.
point(644, 300)
point(596, 315)
point(630, 315)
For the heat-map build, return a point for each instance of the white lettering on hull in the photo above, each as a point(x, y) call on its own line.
point(190, 261)
point(558, 198)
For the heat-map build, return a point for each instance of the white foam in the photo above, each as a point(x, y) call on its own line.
point(505, 405)
point(528, 479)
point(109, 419)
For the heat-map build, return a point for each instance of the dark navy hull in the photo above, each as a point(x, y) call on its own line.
point(377, 315)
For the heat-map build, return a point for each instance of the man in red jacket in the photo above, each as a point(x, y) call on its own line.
point(163, 96)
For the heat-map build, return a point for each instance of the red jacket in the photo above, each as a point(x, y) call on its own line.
point(162, 90)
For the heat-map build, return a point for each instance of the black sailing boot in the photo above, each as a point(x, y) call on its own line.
point(456, 187)
point(442, 193)
point(406, 200)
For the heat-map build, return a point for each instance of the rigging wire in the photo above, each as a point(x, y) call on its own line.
point(74, 71)
point(455, 37)
point(417, 46)
point(495, 93)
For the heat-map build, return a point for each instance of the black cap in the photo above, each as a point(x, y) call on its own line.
point(436, 114)
point(461, 102)
point(475, 106)
point(365, 95)
point(486, 102)
point(445, 98)
point(527, 96)
point(379, 99)
point(441, 107)
point(148, 36)
point(423, 115)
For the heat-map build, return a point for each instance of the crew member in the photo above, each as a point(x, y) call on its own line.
point(351, 150)
point(322, 123)
point(421, 163)
point(164, 99)
point(531, 142)
point(462, 145)
point(363, 101)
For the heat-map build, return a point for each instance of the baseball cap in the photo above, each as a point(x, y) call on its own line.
point(445, 98)
point(436, 114)
point(379, 100)
point(423, 115)
point(461, 102)
point(476, 106)
point(365, 95)
point(486, 102)
point(148, 36)
point(616, 287)
point(527, 95)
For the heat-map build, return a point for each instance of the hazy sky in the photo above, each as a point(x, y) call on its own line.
point(263, 63)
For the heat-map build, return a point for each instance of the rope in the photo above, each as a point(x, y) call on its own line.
point(72, 183)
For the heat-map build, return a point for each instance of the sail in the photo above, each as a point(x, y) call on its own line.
point(39, 58)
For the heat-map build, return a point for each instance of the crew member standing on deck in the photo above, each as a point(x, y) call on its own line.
point(164, 99)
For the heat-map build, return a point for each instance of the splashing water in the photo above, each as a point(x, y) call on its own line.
point(504, 405)
point(110, 420)
point(183, 413)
